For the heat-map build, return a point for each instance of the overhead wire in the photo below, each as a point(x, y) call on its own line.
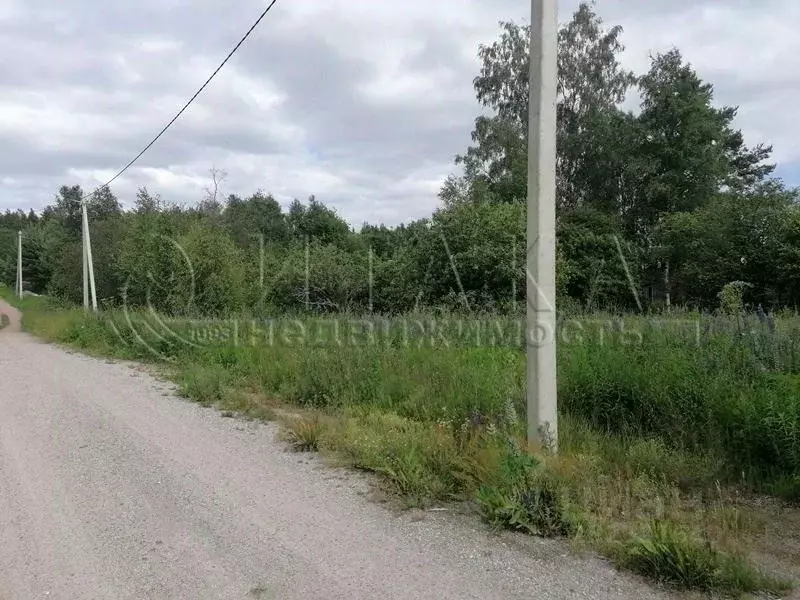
point(188, 103)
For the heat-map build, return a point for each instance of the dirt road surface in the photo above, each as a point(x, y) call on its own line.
point(113, 488)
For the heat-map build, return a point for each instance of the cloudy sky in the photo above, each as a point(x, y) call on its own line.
point(363, 103)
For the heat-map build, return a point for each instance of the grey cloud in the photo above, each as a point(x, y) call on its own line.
point(339, 120)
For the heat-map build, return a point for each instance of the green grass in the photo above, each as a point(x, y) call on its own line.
point(521, 496)
point(674, 558)
point(658, 423)
point(716, 397)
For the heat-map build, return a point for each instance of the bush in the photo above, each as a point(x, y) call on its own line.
point(210, 274)
point(525, 498)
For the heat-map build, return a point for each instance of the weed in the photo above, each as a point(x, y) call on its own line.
point(673, 557)
point(305, 434)
point(524, 498)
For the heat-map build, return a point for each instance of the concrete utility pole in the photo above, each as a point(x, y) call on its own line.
point(19, 265)
point(514, 273)
point(88, 265)
point(261, 262)
point(541, 280)
point(85, 263)
point(371, 276)
point(308, 274)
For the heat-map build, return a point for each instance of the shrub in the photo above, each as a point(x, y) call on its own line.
point(524, 498)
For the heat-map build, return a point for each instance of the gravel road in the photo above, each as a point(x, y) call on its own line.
point(113, 488)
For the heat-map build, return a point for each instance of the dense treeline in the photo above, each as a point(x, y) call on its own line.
point(668, 201)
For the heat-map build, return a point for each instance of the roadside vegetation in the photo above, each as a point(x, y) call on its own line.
point(399, 350)
point(676, 455)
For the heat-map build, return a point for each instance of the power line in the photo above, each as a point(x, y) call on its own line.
point(185, 106)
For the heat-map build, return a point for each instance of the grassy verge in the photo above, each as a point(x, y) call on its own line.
point(663, 442)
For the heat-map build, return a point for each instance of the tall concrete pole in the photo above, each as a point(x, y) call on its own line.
point(88, 264)
point(19, 264)
point(85, 263)
point(541, 280)
point(261, 262)
point(308, 275)
point(371, 276)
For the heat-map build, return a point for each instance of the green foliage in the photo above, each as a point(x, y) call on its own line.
point(317, 221)
point(646, 171)
point(707, 394)
point(67, 271)
point(150, 258)
point(203, 383)
point(259, 215)
point(667, 201)
point(337, 280)
point(425, 464)
point(686, 135)
point(731, 298)
point(673, 557)
point(591, 83)
point(746, 237)
point(212, 279)
point(590, 241)
point(479, 248)
point(525, 498)
point(8, 253)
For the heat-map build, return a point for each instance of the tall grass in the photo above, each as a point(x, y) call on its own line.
point(713, 396)
point(651, 410)
point(699, 387)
